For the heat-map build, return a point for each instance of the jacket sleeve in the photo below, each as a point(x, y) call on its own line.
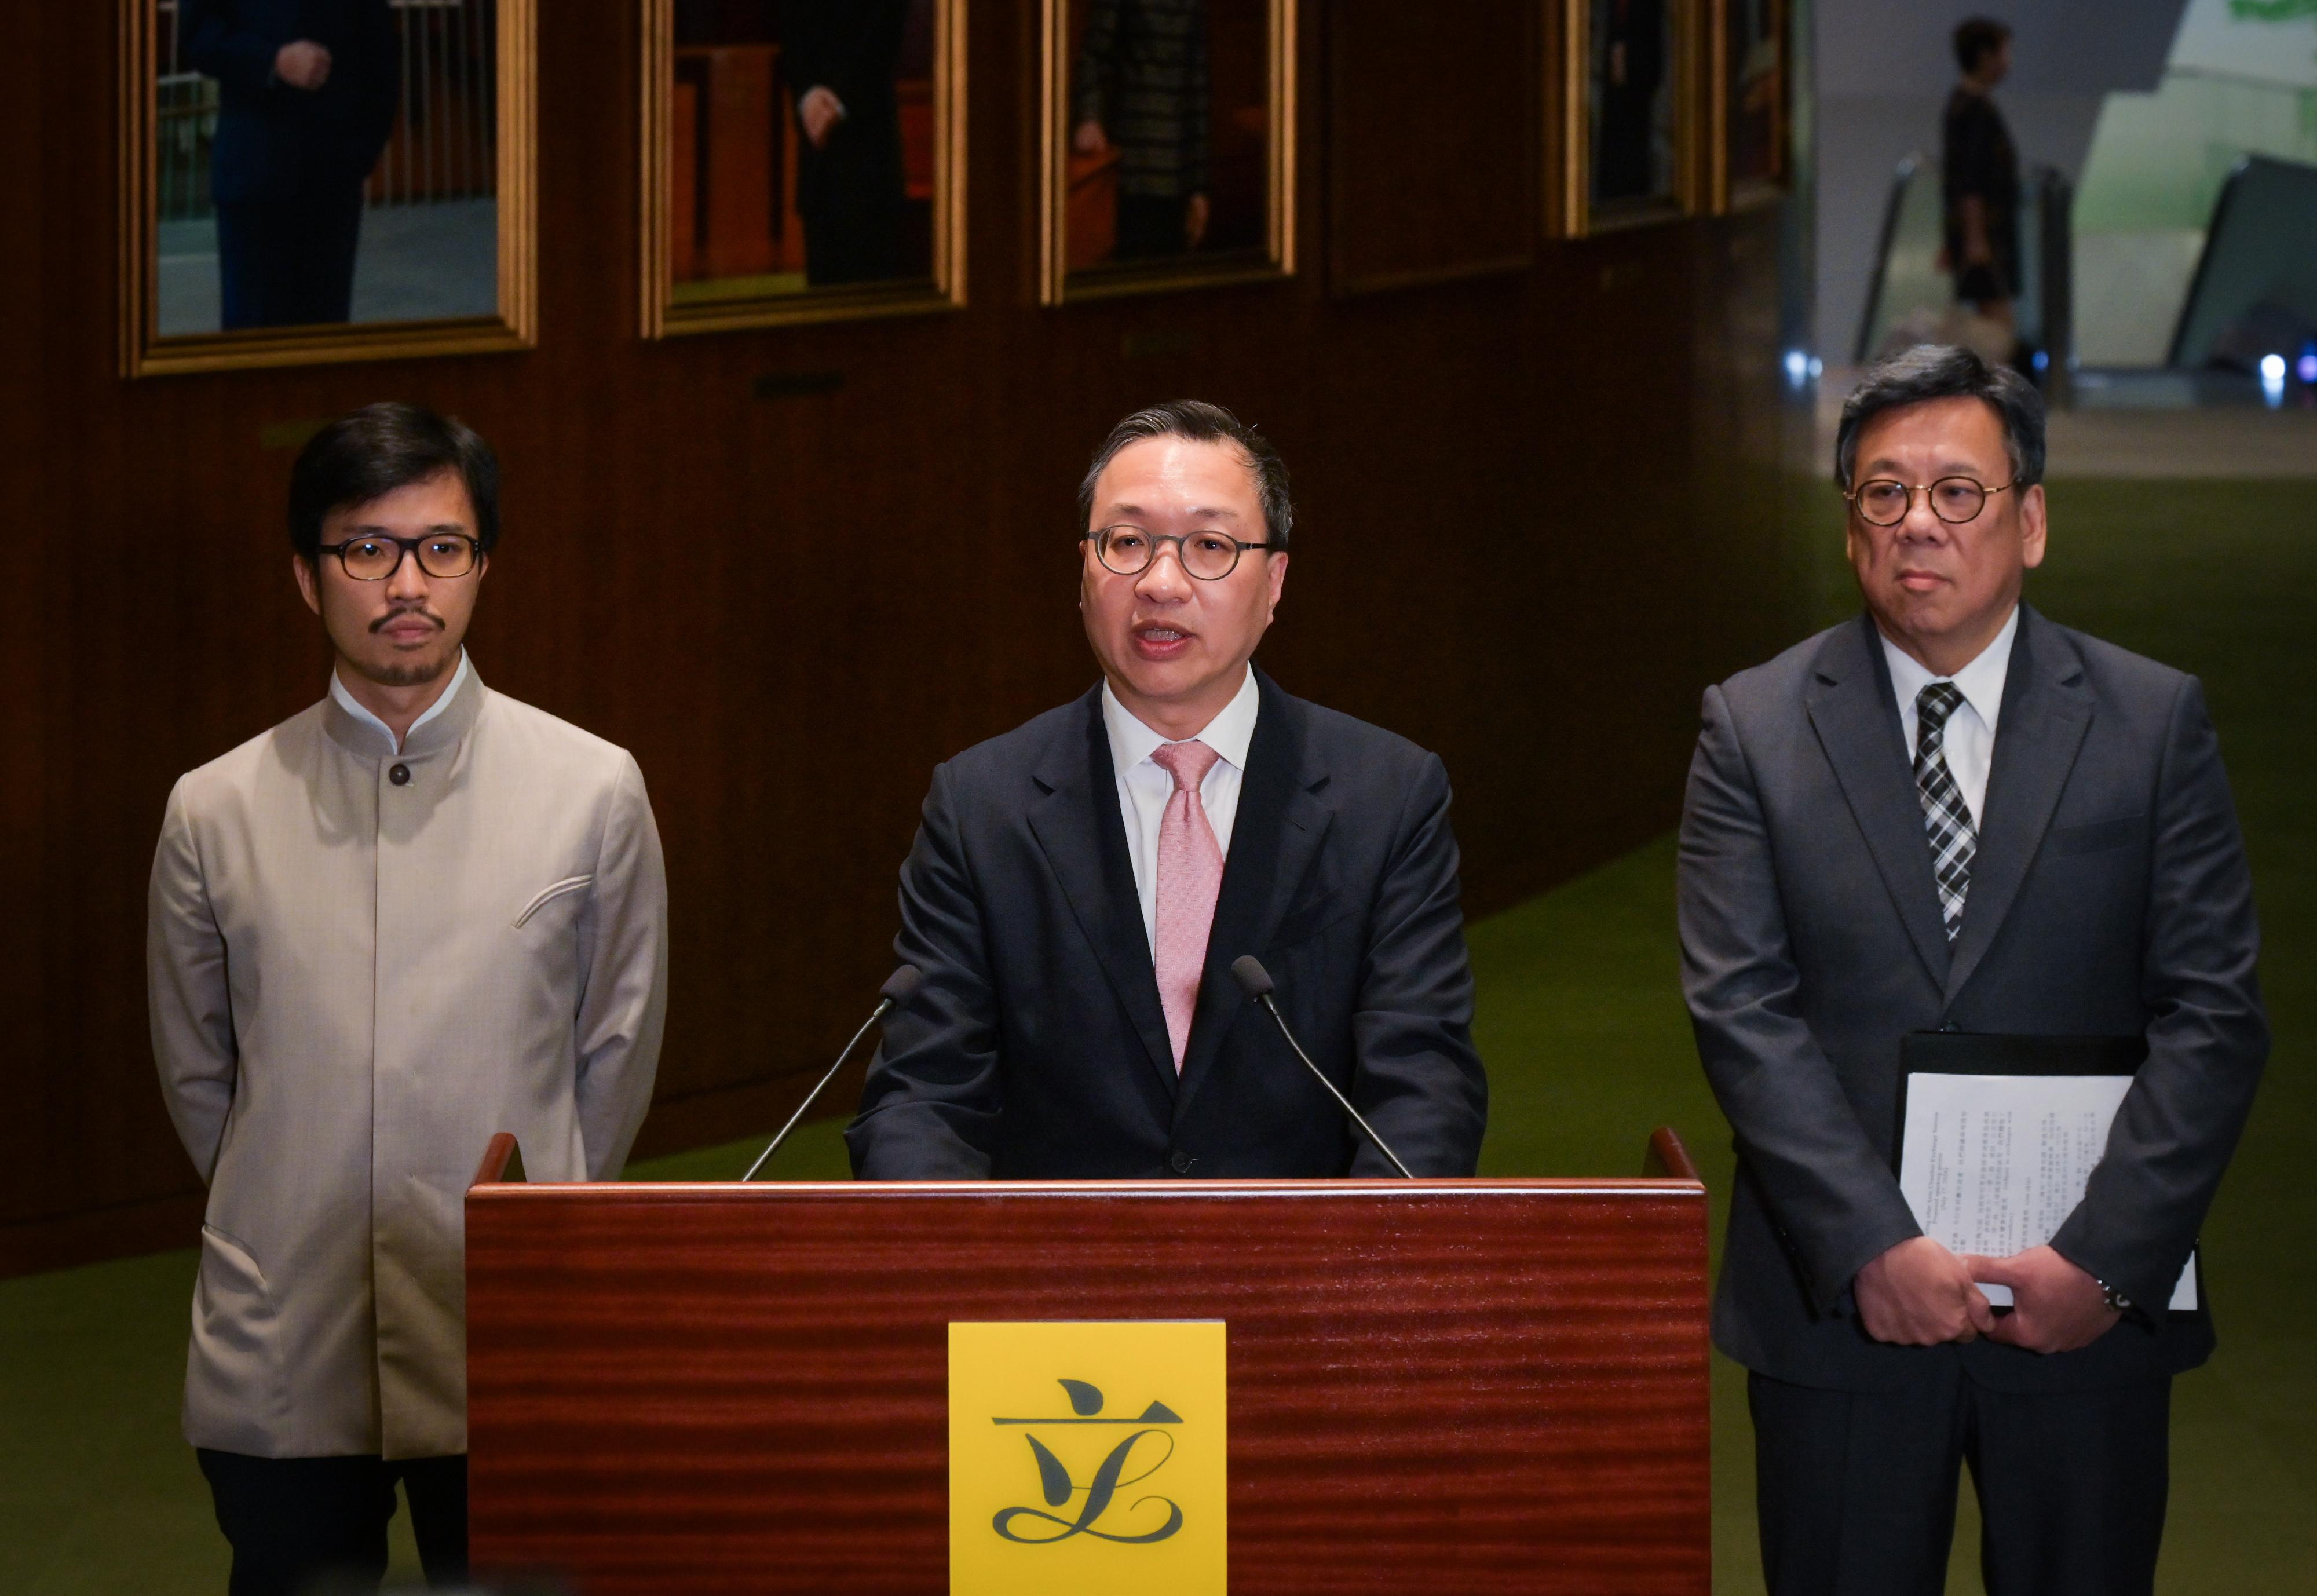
point(189, 1005)
point(623, 994)
point(1093, 86)
point(1834, 1200)
point(929, 1108)
point(2207, 1034)
point(215, 42)
point(1416, 1076)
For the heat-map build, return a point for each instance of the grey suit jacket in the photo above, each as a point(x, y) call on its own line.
point(2109, 897)
point(355, 981)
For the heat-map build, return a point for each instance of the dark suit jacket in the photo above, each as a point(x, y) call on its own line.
point(2109, 897)
point(275, 142)
point(851, 48)
point(1036, 1045)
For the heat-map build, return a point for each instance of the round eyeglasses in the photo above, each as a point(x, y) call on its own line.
point(1127, 551)
point(1882, 502)
point(375, 558)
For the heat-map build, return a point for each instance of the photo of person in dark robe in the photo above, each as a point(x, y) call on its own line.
point(840, 58)
point(307, 93)
point(1141, 87)
point(803, 148)
point(1632, 134)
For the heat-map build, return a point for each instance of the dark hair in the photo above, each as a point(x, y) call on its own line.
point(1202, 423)
point(382, 447)
point(1976, 39)
point(1942, 370)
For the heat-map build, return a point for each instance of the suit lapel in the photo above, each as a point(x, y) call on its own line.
point(1078, 825)
point(1857, 720)
point(1274, 838)
point(2046, 714)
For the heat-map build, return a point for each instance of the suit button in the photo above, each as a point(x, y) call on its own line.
point(400, 776)
point(1180, 1162)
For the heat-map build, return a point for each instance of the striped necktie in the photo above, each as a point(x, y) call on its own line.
point(1947, 818)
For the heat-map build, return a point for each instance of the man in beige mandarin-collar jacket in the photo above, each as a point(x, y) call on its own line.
point(364, 959)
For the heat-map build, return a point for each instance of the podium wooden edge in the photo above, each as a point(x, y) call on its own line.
point(502, 1163)
point(1666, 1159)
point(1665, 1162)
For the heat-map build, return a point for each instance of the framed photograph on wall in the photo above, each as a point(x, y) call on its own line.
point(1751, 129)
point(1628, 94)
point(356, 187)
point(803, 160)
point(1169, 147)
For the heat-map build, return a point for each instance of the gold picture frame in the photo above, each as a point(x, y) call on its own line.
point(1271, 259)
point(664, 315)
point(1730, 190)
point(146, 351)
point(1573, 210)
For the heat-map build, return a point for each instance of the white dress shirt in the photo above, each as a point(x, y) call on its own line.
point(347, 702)
point(1143, 787)
point(1970, 740)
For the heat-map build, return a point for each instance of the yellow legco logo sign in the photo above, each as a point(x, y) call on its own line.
point(1087, 1456)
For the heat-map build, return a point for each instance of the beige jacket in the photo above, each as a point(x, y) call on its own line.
point(355, 981)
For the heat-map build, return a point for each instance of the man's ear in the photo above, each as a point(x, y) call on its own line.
point(2032, 526)
point(310, 586)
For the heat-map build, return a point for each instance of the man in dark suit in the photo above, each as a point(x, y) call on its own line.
point(840, 58)
point(1081, 885)
point(306, 91)
point(1953, 814)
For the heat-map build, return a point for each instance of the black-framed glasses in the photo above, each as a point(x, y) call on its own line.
point(1882, 502)
point(376, 556)
point(1127, 551)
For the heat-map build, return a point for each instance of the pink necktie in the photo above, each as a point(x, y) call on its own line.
point(1190, 874)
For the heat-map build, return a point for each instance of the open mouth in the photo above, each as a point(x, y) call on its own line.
point(1160, 642)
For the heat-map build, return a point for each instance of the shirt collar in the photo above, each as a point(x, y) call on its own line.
point(1230, 733)
point(347, 702)
point(1980, 681)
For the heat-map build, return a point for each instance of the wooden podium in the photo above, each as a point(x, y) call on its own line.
point(1442, 1386)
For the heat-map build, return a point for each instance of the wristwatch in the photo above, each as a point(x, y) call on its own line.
point(2116, 1300)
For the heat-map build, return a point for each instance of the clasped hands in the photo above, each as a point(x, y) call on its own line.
point(1918, 1294)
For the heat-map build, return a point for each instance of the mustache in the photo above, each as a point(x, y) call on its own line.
point(401, 610)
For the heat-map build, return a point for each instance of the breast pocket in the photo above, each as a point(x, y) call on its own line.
point(550, 894)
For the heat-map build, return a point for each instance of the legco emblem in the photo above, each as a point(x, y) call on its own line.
point(1126, 1463)
point(1089, 1455)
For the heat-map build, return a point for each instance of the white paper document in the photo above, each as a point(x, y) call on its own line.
point(1993, 1164)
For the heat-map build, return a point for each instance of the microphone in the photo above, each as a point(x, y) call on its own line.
point(1255, 981)
point(897, 990)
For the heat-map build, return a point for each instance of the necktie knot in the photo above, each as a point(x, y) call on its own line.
point(1187, 762)
point(1934, 705)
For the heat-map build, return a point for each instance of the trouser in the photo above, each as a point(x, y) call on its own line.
point(289, 263)
point(1855, 1490)
point(1151, 227)
point(299, 1525)
point(851, 195)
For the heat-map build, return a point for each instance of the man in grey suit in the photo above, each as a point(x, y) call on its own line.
point(1951, 814)
point(412, 915)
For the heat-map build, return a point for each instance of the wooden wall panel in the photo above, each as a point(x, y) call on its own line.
point(1433, 139)
point(1519, 544)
